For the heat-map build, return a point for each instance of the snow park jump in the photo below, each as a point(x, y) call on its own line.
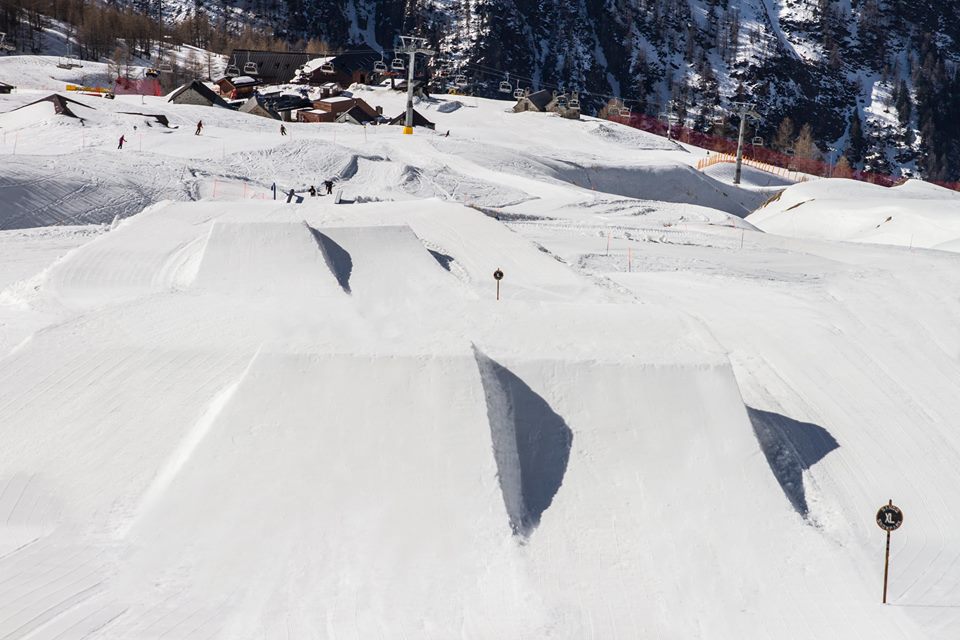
point(225, 415)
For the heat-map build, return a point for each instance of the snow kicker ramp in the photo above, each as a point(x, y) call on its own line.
point(265, 258)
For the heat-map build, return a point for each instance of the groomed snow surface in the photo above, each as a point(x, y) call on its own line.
point(224, 416)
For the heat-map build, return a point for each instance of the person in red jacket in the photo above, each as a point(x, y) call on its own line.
point(122, 140)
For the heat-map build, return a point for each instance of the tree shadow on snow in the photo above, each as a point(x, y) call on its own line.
point(338, 259)
point(531, 444)
point(791, 447)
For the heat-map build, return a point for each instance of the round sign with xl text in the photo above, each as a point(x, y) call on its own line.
point(889, 517)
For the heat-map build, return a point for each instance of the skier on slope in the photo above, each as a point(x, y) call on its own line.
point(122, 140)
point(199, 127)
point(283, 130)
point(328, 184)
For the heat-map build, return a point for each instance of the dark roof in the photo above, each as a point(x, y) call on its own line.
point(258, 101)
point(359, 114)
point(4, 84)
point(359, 57)
point(203, 90)
point(418, 120)
point(271, 65)
point(60, 104)
point(540, 99)
point(287, 101)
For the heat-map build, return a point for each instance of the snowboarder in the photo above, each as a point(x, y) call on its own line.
point(283, 130)
point(329, 186)
point(122, 140)
point(313, 191)
point(199, 127)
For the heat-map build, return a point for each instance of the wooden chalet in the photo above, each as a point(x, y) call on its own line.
point(237, 87)
point(544, 101)
point(538, 101)
point(269, 67)
point(197, 93)
point(258, 106)
point(349, 67)
point(340, 109)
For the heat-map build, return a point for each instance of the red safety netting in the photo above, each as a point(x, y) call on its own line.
point(139, 87)
point(760, 155)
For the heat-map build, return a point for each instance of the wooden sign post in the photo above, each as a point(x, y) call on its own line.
point(889, 518)
point(498, 276)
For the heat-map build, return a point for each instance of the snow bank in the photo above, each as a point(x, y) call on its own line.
point(914, 214)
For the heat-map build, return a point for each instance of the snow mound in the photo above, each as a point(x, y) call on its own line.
point(914, 214)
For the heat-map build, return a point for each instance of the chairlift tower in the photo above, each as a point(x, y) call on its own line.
point(744, 110)
point(411, 46)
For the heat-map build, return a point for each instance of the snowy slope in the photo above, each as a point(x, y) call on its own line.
point(225, 416)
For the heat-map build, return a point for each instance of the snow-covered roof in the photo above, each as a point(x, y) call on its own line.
point(336, 99)
point(314, 64)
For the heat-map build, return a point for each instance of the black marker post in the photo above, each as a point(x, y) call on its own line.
point(498, 276)
point(889, 518)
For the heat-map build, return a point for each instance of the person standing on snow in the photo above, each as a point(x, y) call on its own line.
point(283, 130)
point(199, 127)
point(329, 186)
point(122, 140)
point(313, 191)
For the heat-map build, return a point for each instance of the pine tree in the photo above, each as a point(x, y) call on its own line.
point(858, 143)
point(784, 137)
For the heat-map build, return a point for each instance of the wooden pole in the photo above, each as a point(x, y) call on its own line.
point(886, 563)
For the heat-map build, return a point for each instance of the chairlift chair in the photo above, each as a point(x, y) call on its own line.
point(757, 141)
point(461, 80)
point(63, 63)
point(505, 86)
point(74, 61)
point(398, 65)
point(379, 66)
point(232, 70)
point(518, 93)
point(326, 67)
point(574, 101)
point(249, 68)
point(789, 152)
